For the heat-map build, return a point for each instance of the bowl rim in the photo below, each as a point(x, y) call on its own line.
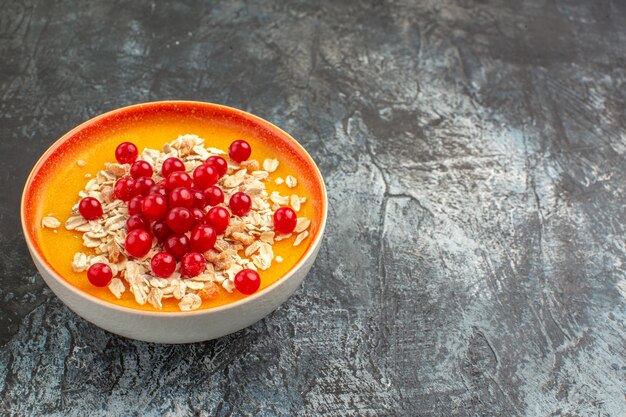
point(122, 309)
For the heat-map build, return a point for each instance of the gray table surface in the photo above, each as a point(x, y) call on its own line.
point(475, 158)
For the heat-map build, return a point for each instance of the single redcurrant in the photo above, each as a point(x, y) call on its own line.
point(138, 243)
point(126, 153)
point(137, 221)
point(143, 185)
point(218, 218)
point(199, 200)
point(160, 230)
point(141, 169)
point(214, 195)
point(178, 179)
point(154, 207)
point(205, 175)
point(171, 165)
point(199, 216)
point(159, 189)
point(180, 197)
point(163, 264)
point(124, 188)
point(134, 205)
point(239, 150)
point(177, 245)
point(192, 264)
point(240, 203)
point(219, 163)
point(99, 274)
point(247, 281)
point(202, 238)
point(179, 219)
point(285, 220)
point(90, 208)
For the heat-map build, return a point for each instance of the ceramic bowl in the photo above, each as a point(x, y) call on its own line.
point(170, 327)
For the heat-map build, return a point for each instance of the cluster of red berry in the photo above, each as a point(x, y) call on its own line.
point(172, 211)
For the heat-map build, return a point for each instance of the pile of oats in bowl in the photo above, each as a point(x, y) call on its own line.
point(182, 222)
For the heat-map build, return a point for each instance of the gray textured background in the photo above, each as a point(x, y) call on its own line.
point(475, 157)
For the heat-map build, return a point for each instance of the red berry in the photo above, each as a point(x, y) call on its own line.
point(134, 205)
point(247, 281)
point(240, 203)
point(192, 264)
point(154, 207)
point(124, 188)
point(202, 238)
point(99, 274)
point(205, 175)
point(198, 198)
point(285, 220)
point(218, 218)
point(137, 221)
point(143, 185)
point(90, 208)
point(218, 163)
point(199, 216)
point(178, 179)
point(177, 245)
point(239, 150)
point(141, 169)
point(159, 189)
point(181, 197)
point(171, 165)
point(179, 219)
point(126, 153)
point(214, 195)
point(138, 243)
point(160, 230)
point(163, 264)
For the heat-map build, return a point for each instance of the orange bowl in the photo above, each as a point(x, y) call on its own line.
point(170, 327)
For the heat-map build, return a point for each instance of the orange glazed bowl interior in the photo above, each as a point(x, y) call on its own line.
point(158, 123)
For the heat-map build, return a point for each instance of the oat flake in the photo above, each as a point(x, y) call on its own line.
point(50, 222)
point(79, 264)
point(300, 238)
point(291, 181)
point(270, 165)
point(302, 224)
point(116, 286)
point(228, 285)
point(295, 202)
point(279, 199)
point(154, 298)
point(190, 302)
point(278, 238)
